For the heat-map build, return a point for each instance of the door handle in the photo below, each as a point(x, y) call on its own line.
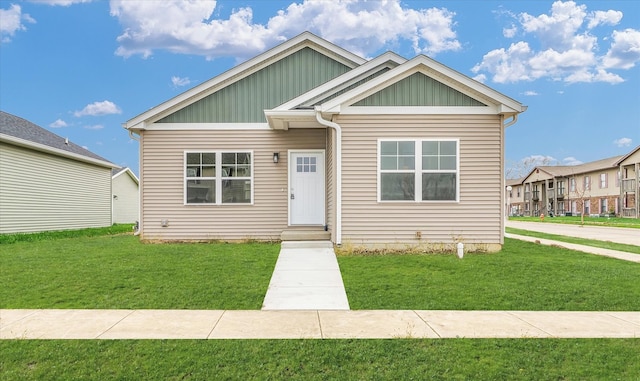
point(293, 197)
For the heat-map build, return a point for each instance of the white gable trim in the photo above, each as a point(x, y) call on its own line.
point(433, 69)
point(243, 70)
point(129, 172)
point(207, 126)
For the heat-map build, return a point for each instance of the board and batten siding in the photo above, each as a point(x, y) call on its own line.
point(162, 187)
point(476, 218)
point(125, 200)
point(42, 192)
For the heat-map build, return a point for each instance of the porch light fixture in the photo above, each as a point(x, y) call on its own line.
point(276, 157)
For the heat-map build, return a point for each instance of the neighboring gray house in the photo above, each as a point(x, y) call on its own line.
point(309, 136)
point(124, 190)
point(49, 183)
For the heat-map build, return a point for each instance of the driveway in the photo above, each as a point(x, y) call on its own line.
point(602, 233)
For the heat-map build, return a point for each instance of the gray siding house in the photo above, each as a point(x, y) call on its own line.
point(125, 196)
point(310, 137)
point(49, 183)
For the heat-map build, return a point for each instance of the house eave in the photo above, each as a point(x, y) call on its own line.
point(54, 151)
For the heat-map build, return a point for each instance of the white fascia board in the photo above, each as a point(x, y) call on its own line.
point(55, 151)
point(245, 69)
point(433, 69)
point(419, 110)
point(207, 126)
point(280, 119)
point(334, 84)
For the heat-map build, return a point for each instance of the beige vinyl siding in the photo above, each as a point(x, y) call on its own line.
point(40, 192)
point(476, 218)
point(163, 184)
point(125, 200)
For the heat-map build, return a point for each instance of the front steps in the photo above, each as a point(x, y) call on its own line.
point(305, 234)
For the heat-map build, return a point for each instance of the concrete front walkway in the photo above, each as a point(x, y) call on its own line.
point(306, 277)
point(375, 324)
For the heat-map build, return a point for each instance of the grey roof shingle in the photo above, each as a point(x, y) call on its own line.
point(23, 129)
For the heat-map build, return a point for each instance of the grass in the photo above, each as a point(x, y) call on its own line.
point(117, 271)
point(595, 221)
point(399, 359)
point(523, 276)
point(580, 241)
point(53, 235)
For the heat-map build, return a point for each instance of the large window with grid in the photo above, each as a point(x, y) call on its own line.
point(218, 178)
point(418, 170)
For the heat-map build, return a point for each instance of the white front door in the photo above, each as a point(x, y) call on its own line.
point(306, 188)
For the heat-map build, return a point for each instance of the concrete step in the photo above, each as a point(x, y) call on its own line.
point(305, 235)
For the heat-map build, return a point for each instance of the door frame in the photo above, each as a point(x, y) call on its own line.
point(290, 153)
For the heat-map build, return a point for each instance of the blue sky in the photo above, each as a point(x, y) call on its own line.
point(81, 68)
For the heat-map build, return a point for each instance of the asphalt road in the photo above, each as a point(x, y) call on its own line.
point(602, 233)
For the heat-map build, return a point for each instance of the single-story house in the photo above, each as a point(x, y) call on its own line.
point(125, 196)
point(48, 182)
point(309, 136)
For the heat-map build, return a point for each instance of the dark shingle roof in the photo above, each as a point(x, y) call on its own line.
point(23, 129)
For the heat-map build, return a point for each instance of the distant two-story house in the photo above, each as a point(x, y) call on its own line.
point(603, 187)
point(629, 167)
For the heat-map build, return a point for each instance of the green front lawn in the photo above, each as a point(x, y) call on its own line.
point(119, 272)
point(523, 276)
point(398, 359)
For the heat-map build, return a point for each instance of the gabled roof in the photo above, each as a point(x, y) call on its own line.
point(572, 170)
point(625, 157)
point(243, 70)
point(117, 172)
point(500, 103)
point(18, 131)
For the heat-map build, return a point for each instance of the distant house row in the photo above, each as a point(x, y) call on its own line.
point(49, 183)
point(603, 187)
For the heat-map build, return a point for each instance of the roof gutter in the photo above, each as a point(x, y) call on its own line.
point(338, 129)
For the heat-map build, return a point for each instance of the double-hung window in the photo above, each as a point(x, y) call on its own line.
point(418, 170)
point(218, 177)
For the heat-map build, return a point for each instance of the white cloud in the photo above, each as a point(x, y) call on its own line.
point(58, 124)
point(623, 142)
point(64, 3)
point(510, 32)
point(360, 26)
point(99, 108)
point(531, 93)
point(624, 52)
point(603, 18)
point(571, 161)
point(11, 21)
point(562, 46)
point(94, 127)
point(178, 81)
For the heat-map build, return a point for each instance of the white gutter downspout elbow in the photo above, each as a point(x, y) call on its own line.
point(513, 121)
point(338, 150)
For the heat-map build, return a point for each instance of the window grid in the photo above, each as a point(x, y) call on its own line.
point(217, 177)
point(420, 170)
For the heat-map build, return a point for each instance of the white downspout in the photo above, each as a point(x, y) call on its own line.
point(513, 121)
point(338, 155)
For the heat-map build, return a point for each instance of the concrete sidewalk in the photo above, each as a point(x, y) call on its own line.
point(374, 324)
point(627, 236)
point(306, 277)
point(586, 249)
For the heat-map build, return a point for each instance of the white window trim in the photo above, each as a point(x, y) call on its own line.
point(418, 169)
point(218, 178)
